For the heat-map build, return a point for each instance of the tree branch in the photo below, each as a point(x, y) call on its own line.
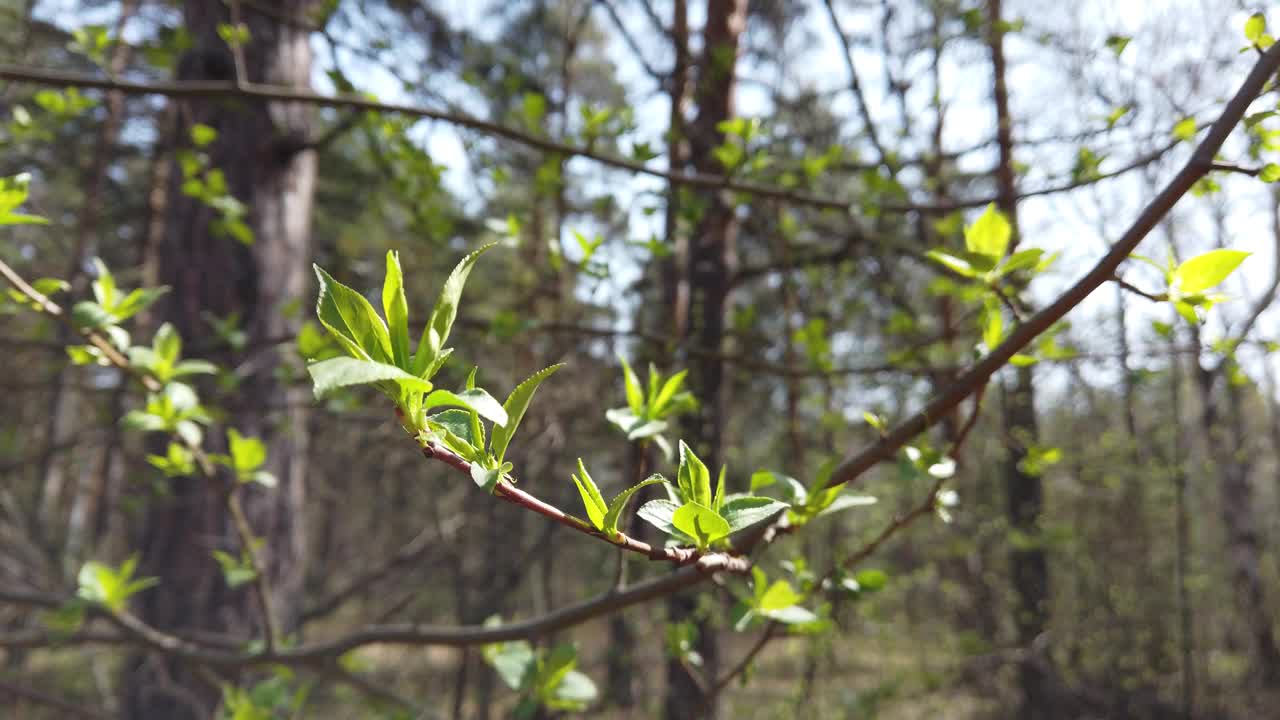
point(1196, 167)
point(504, 490)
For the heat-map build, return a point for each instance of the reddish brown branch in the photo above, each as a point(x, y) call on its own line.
point(720, 561)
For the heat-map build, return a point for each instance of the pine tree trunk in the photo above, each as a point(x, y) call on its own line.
point(260, 148)
point(711, 262)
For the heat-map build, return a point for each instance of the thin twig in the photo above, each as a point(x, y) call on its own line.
point(67, 709)
point(770, 631)
point(1128, 287)
point(261, 584)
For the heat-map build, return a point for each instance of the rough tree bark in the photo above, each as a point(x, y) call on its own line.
point(261, 149)
point(711, 263)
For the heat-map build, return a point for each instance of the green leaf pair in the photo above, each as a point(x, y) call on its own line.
point(111, 587)
point(649, 411)
point(807, 504)
point(778, 601)
point(236, 571)
point(245, 458)
point(162, 360)
point(175, 409)
point(378, 349)
point(1190, 281)
point(113, 305)
point(983, 258)
point(605, 516)
point(545, 678)
point(701, 516)
point(462, 432)
point(13, 192)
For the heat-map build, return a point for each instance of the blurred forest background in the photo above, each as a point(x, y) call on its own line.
point(746, 190)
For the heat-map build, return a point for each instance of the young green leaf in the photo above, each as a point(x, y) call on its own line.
point(844, 502)
point(104, 284)
point(871, 579)
point(1117, 43)
point(779, 595)
point(957, 265)
point(454, 428)
point(635, 397)
point(620, 502)
point(643, 430)
point(111, 587)
point(717, 499)
point(575, 691)
point(1185, 129)
point(436, 332)
point(1255, 27)
point(486, 478)
point(1202, 272)
point(13, 192)
point(670, 389)
point(396, 309)
point(352, 320)
point(700, 523)
point(477, 427)
point(235, 571)
point(247, 453)
point(694, 478)
point(592, 500)
point(989, 235)
point(659, 513)
point(474, 399)
point(794, 615)
point(513, 661)
point(651, 395)
point(167, 345)
point(762, 478)
point(743, 512)
point(516, 405)
point(334, 373)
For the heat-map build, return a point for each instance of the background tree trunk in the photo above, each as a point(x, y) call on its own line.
point(261, 151)
point(1024, 491)
point(711, 262)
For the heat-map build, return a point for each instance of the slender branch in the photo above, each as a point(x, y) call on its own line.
point(67, 709)
point(208, 89)
point(240, 521)
point(925, 507)
point(202, 89)
point(407, 553)
point(1129, 287)
point(372, 689)
point(770, 631)
point(720, 561)
point(1227, 167)
point(51, 308)
point(1196, 167)
point(855, 86)
point(215, 654)
point(629, 39)
point(946, 207)
point(1265, 299)
point(261, 584)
